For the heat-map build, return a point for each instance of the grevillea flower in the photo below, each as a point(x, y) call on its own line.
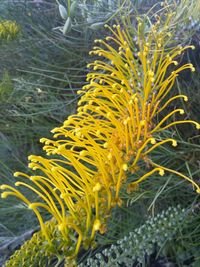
point(95, 150)
point(9, 30)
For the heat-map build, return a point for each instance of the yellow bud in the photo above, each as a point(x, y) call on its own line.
point(97, 187)
point(161, 172)
point(98, 133)
point(31, 165)
point(174, 143)
point(97, 224)
point(97, 108)
point(108, 114)
point(109, 156)
point(153, 141)
point(83, 153)
point(126, 121)
point(125, 167)
point(197, 126)
point(4, 194)
point(61, 227)
point(3, 186)
point(30, 157)
point(105, 145)
point(16, 174)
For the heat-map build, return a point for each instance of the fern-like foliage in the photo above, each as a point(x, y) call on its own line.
point(140, 244)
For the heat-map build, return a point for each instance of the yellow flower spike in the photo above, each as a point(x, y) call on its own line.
point(111, 133)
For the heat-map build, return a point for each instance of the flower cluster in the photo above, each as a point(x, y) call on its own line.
point(9, 30)
point(94, 151)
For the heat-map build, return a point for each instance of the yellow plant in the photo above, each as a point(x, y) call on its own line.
point(95, 150)
point(9, 30)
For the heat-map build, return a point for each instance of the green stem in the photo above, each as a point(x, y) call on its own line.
point(68, 7)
